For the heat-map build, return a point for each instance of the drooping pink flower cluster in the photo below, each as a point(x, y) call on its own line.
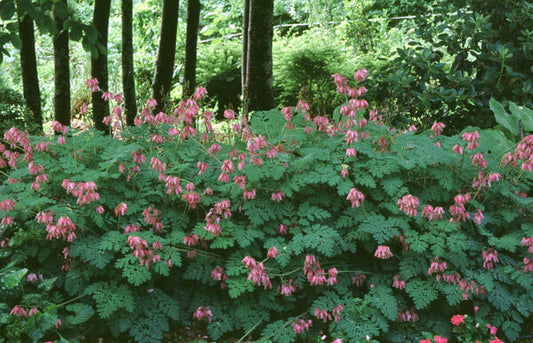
point(257, 274)
point(153, 218)
point(278, 196)
point(527, 242)
point(432, 213)
point(523, 152)
point(408, 204)
point(470, 287)
point(490, 256)
point(173, 185)
point(358, 279)
point(437, 128)
point(356, 197)
point(218, 274)
point(7, 205)
point(478, 160)
point(64, 229)
point(157, 165)
point(84, 191)
point(471, 138)
point(121, 209)
point(458, 210)
point(383, 252)
point(34, 278)
point(436, 267)
point(407, 316)
point(481, 181)
point(58, 127)
point(528, 265)
point(191, 240)
point(287, 289)
point(272, 252)
point(398, 282)
point(316, 275)
point(302, 325)
point(143, 251)
point(325, 315)
point(19, 311)
point(203, 313)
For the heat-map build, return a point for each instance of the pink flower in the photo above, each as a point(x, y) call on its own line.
point(121, 209)
point(492, 329)
point(408, 204)
point(227, 167)
point(356, 197)
point(439, 339)
point(361, 75)
point(350, 152)
point(457, 319)
point(489, 257)
point(437, 128)
point(203, 312)
point(272, 252)
point(383, 252)
point(229, 114)
point(398, 283)
point(457, 149)
point(278, 196)
point(478, 217)
point(18, 311)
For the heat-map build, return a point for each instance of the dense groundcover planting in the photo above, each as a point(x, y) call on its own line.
point(286, 228)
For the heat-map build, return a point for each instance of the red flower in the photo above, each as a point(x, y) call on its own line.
point(457, 319)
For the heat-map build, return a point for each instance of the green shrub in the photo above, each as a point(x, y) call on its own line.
point(464, 54)
point(315, 220)
point(12, 109)
point(219, 70)
point(303, 66)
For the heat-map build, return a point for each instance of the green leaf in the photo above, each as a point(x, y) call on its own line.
point(110, 298)
point(239, 285)
point(13, 278)
point(422, 292)
point(82, 313)
point(524, 114)
point(510, 122)
point(279, 332)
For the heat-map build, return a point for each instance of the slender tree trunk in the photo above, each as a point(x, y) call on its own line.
point(128, 71)
point(28, 63)
point(61, 71)
point(259, 63)
point(99, 63)
point(189, 74)
point(244, 56)
point(164, 68)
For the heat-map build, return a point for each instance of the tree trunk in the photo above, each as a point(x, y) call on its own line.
point(259, 63)
point(99, 63)
point(244, 56)
point(128, 71)
point(189, 74)
point(61, 71)
point(164, 68)
point(28, 64)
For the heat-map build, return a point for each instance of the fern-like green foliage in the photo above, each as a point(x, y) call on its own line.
point(300, 226)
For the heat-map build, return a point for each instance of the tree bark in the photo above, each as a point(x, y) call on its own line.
point(28, 63)
point(244, 56)
point(99, 63)
point(191, 43)
point(259, 63)
point(128, 71)
point(164, 68)
point(61, 71)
